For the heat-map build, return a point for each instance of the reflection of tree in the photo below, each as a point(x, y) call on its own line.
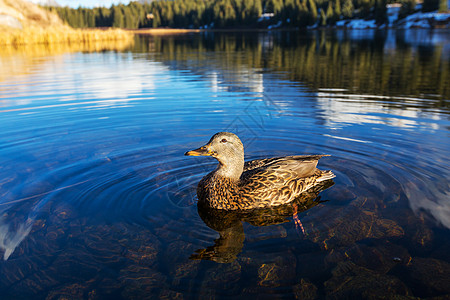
point(231, 231)
point(319, 59)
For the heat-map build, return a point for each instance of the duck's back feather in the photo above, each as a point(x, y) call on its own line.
point(302, 165)
point(275, 181)
point(264, 183)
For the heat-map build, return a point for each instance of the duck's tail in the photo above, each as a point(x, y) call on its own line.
point(326, 175)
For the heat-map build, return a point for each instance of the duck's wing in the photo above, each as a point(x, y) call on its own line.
point(300, 165)
point(279, 180)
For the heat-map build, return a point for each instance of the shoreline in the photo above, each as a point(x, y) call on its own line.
point(176, 31)
point(162, 31)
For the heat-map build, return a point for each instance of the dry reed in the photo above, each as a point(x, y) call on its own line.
point(67, 35)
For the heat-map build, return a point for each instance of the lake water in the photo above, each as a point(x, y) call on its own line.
point(97, 200)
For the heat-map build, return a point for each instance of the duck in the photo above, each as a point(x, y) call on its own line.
point(261, 183)
point(229, 223)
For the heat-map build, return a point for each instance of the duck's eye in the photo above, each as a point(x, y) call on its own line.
point(224, 141)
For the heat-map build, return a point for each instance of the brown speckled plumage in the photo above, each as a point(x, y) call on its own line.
point(261, 183)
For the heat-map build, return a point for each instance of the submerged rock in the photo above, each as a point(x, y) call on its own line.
point(221, 279)
point(184, 273)
point(169, 295)
point(350, 281)
point(355, 224)
point(430, 276)
point(269, 274)
point(305, 290)
point(141, 282)
point(72, 291)
point(277, 272)
point(380, 256)
point(141, 247)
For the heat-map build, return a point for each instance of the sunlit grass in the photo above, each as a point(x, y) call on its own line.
point(67, 35)
point(59, 48)
point(43, 42)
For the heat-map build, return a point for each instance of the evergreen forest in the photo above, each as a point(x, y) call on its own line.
point(236, 13)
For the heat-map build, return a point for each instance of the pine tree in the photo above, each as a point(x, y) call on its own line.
point(323, 18)
point(430, 5)
point(304, 16)
point(230, 15)
point(313, 11)
point(156, 22)
point(117, 17)
point(330, 14)
point(128, 18)
point(79, 18)
point(380, 12)
point(337, 9)
point(407, 8)
point(169, 16)
point(287, 11)
point(347, 10)
point(71, 17)
point(90, 17)
point(255, 11)
point(443, 6)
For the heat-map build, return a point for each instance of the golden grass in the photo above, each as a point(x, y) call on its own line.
point(43, 42)
point(60, 48)
point(67, 35)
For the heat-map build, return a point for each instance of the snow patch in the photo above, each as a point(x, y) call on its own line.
point(357, 24)
point(416, 20)
point(425, 20)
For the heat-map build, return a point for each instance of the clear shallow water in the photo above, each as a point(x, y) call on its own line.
point(98, 201)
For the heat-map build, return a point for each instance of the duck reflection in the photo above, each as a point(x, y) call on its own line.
point(229, 224)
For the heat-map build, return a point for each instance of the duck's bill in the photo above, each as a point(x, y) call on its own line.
point(202, 151)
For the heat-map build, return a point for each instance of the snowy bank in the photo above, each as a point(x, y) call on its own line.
point(356, 24)
point(425, 20)
point(416, 20)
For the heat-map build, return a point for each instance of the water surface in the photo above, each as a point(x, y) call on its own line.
point(98, 201)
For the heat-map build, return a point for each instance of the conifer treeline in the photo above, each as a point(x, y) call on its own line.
point(232, 13)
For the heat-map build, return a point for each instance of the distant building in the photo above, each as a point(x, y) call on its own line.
point(394, 5)
point(265, 17)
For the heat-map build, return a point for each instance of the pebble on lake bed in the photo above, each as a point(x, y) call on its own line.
point(430, 274)
point(350, 281)
point(305, 290)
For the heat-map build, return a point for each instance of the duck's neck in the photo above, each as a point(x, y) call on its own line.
point(231, 169)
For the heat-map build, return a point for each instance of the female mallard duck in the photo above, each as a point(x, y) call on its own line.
point(260, 183)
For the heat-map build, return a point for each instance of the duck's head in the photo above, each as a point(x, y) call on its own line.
point(228, 149)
